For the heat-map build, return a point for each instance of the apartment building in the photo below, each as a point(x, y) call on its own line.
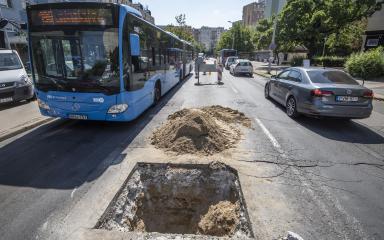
point(374, 35)
point(273, 7)
point(209, 36)
point(253, 12)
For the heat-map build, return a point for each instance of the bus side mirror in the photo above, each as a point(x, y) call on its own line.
point(135, 44)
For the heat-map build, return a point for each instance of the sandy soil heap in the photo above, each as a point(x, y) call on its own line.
point(206, 131)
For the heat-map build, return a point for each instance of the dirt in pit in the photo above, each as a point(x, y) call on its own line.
point(204, 131)
point(180, 199)
point(220, 219)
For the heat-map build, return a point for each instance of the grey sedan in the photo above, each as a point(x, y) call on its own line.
point(320, 92)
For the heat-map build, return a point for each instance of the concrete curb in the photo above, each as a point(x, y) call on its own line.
point(25, 128)
point(262, 74)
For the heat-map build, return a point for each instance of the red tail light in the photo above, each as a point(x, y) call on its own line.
point(368, 94)
point(321, 93)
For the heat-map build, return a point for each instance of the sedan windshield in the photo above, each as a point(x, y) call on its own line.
point(332, 77)
point(9, 61)
point(84, 61)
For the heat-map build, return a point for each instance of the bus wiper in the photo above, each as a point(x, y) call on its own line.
point(54, 82)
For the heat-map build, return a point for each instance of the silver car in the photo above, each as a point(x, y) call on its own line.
point(230, 61)
point(15, 84)
point(241, 66)
point(320, 92)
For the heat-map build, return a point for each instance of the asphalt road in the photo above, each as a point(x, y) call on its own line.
point(334, 179)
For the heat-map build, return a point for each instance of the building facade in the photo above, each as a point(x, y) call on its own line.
point(273, 7)
point(209, 37)
point(253, 12)
point(374, 35)
point(15, 35)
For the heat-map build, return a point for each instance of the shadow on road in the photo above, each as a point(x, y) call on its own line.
point(338, 129)
point(341, 130)
point(13, 105)
point(65, 154)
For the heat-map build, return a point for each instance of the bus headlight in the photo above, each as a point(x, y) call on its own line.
point(43, 105)
point(119, 108)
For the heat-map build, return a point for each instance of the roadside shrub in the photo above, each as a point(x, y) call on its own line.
point(367, 65)
point(297, 61)
point(329, 61)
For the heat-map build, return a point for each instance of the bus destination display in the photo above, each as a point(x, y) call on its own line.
point(85, 16)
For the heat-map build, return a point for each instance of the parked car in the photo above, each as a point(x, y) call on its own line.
point(241, 66)
point(230, 61)
point(15, 84)
point(320, 92)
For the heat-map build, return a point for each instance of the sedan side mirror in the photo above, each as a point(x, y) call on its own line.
point(273, 76)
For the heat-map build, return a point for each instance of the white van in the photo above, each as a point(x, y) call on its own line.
point(15, 84)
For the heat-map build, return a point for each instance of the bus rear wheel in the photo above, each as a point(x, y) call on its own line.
point(157, 93)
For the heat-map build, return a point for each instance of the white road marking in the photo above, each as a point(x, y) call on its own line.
point(73, 192)
point(234, 89)
point(271, 138)
point(356, 225)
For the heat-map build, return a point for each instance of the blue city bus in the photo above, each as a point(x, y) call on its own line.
point(101, 61)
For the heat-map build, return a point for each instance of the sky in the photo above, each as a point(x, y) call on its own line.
point(211, 13)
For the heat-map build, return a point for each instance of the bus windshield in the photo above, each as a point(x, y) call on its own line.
point(79, 61)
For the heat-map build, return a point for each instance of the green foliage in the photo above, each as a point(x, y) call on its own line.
point(367, 65)
point(297, 61)
point(180, 19)
point(262, 37)
point(347, 40)
point(242, 39)
point(309, 22)
point(329, 61)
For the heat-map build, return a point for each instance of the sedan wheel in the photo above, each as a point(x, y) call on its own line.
point(292, 108)
point(266, 91)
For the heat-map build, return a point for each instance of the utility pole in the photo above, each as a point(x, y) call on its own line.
point(233, 36)
point(325, 41)
point(272, 46)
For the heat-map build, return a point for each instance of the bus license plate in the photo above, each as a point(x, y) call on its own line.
point(78, 117)
point(5, 100)
point(346, 99)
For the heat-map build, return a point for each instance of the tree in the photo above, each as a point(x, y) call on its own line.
point(180, 19)
point(240, 36)
point(347, 40)
point(262, 37)
point(184, 32)
point(309, 22)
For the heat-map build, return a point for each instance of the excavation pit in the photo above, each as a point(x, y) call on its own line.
point(180, 199)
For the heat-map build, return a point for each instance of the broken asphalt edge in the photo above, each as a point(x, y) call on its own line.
point(25, 128)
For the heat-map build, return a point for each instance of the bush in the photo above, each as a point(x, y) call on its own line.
point(366, 65)
point(329, 61)
point(297, 61)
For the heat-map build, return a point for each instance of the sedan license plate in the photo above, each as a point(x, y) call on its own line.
point(5, 100)
point(347, 99)
point(78, 117)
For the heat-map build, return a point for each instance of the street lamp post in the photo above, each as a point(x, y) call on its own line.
point(233, 37)
point(5, 31)
point(272, 46)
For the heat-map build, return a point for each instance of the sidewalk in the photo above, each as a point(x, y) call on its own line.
point(261, 69)
point(18, 118)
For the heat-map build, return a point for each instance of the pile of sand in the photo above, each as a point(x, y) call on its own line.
point(221, 219)
point(206, 131)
